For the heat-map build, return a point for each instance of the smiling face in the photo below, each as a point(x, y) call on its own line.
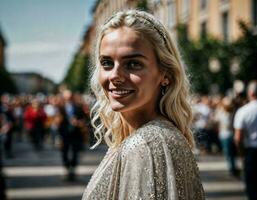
point(129, 72)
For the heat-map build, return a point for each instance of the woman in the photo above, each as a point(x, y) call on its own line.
point(145, 118)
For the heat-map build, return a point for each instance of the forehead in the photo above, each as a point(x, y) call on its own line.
point(113, 33)
point(124, 39)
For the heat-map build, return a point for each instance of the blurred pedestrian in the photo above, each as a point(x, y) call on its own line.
point(18, 115)
point(35, 118)
point(225, 124)
point(202, 115)
point(3, 130)
point(9, 123)
point(142, 102)
point(245, 124)
point(51, 110)
point(71, 122)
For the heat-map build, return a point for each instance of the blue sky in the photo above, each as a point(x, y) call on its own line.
point(43, 35)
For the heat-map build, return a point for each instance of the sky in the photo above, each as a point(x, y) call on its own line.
point(43, 35)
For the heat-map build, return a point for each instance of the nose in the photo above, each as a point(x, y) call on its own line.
point(117, 75)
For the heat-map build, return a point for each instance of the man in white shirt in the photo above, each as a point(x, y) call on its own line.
point(245, 124)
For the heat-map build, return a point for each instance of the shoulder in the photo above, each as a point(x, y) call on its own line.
point(156, 134)
point(159, 151)
point(247, 107)
point(242, 111)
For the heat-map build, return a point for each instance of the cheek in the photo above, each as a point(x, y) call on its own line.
point(136, 79)
point(146, 80)
point(103, 78)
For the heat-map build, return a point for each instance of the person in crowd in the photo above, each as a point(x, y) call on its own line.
point(7, 111)
point(71, 122)
point(18, 116)
point(245, 124)
point(3, 130)
point(51, 111)
point(145, 117)
point(214, 144)
point(202, 115)
point(35, 118)
point(225, 125)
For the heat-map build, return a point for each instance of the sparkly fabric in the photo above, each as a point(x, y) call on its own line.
point(153, 163)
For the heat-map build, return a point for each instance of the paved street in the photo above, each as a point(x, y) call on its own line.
point(39, 175)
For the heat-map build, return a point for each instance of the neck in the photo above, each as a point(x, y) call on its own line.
point(252, 98)
point(135, 121)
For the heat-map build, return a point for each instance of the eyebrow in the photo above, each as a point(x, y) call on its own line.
point(133, 55)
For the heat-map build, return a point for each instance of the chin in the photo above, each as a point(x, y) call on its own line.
point(117, 107)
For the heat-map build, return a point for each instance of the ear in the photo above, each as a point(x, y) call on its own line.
point(165, 81)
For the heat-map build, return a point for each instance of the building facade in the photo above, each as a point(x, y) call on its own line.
point(218, 18)
point(32, 83)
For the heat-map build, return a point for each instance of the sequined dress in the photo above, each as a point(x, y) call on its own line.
point(153, 163)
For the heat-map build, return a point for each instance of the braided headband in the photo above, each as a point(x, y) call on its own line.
point(139, 14)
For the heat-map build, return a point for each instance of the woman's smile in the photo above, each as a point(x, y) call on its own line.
point(129, 72)
point(119, 93)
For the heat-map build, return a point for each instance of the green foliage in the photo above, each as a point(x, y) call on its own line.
point(6, 83)
point(197, 55)
point(143, 5)
point(245, 49)
point(77, 78)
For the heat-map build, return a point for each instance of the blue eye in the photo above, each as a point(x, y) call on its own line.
point(107, 63)
point(134, 65)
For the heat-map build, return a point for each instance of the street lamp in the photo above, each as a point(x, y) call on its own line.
point(234, 66)
point(238, 86)
point(214, 65)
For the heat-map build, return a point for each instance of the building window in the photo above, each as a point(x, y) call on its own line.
point(203, 29)
point(203, 4)
point(171, 14)
point(254, 10)
point(225, 26)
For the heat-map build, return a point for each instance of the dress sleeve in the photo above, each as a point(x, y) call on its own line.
point(144, 174)
point(157, 169)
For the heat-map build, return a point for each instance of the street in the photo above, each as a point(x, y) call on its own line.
point(32, 175)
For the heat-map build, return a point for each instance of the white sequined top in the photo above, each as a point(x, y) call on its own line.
point(155, 162)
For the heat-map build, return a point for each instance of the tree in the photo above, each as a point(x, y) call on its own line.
point(198, 56)
point(245, 49)
point(77, 78)
point(6, 83)
point(143, 5)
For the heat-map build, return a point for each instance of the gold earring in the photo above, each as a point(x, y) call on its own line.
point(165, 82)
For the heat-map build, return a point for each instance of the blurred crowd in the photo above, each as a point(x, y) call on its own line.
point(63, 120)
point(213, 126)
point(48, 118)
point(60, 120)
point(43, 118)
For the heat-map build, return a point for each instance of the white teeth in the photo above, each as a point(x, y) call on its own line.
point(120, 92)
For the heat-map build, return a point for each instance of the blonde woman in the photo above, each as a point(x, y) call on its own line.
point(145, 117)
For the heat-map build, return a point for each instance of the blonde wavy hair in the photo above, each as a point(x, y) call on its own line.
point(174, 104)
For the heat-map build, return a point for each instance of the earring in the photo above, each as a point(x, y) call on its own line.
point(164, 89)
point(164, 86)
point(165, 82)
